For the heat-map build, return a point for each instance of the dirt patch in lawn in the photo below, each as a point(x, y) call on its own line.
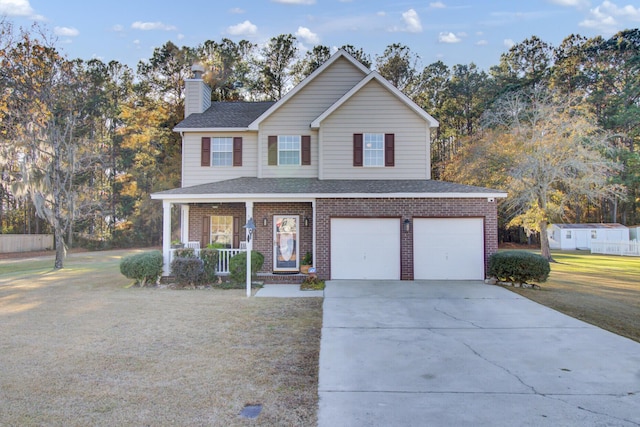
point(77, 348)
point(601, 290)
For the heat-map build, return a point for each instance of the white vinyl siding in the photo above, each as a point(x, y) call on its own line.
point(375, 110)
point(295, 116)
point(194, 174)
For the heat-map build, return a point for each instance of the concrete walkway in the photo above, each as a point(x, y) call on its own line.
point(286, 291)
point(467, 354)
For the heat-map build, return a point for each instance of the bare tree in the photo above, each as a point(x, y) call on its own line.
point(556, 154)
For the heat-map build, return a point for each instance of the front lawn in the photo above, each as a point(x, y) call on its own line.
point(603, 290)
point(78, 348)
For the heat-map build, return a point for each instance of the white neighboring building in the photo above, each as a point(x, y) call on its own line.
point(580, 236)
point(634, 233)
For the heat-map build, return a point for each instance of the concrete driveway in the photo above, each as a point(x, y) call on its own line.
point(466, 353)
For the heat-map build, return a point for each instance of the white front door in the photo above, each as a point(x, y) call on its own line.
point(285, 244)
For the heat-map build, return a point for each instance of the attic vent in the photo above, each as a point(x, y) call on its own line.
point(198, 71)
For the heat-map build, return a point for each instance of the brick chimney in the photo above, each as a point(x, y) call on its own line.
point(197, 93)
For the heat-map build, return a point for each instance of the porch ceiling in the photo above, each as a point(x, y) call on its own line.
point(310, 188)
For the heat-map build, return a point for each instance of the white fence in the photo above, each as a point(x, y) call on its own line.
point(224, 255)
point(25, 242)
point(628, 248)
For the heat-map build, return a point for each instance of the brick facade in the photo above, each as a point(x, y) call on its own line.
point(403, 209)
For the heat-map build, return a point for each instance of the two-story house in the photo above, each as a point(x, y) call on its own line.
point(340, 168)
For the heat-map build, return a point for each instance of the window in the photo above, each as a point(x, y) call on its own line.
point(568, 234)
point(222, 230)
point(373, 149)
point(222, 152)
point(594, 234)
point(288, 149)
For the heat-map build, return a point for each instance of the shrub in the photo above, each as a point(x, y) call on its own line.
point(188, 270)
point(238, 267)
point(209, 258)
point(184, 253)
point(312, 283)
point(143, 267)
point(518, 267)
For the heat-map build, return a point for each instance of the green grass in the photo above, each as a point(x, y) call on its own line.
point(603, 290)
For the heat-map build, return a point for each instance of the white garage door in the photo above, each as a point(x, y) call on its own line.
point(365, 248)
point(448, 248)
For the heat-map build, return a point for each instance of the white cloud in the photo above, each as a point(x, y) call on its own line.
point(448, 38)
point(117, 28)
point(295, 1)
point(180, 36)
point(381, 13)
point(437, 5)
point(307, 35)
point(609, 18)
point(15, 8)
point(508, 43)
point(572, 3)
point(237, 11)
point(65, 31)
point(245, 28)
point(482, 43)
point(412, 21)
point(148, 26)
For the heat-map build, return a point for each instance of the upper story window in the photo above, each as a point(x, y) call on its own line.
point(221, 152)
point(291, 150)
point(568, 235)
point(373, 149)
point(288, 149)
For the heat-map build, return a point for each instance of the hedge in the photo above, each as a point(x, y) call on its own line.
point(144, 267)
point(518, 267)
point(209, 258)
point(188, 270)
point(238, 268)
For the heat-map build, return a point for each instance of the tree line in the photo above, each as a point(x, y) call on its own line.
point(84, 142)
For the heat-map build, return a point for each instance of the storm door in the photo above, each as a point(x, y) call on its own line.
point(285, 243)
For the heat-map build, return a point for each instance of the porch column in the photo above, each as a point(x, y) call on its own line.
point(249, 239)
point(184, 223)
point(313, 232)
point(166, 236)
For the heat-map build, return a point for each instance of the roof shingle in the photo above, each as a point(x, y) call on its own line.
point(226, 115)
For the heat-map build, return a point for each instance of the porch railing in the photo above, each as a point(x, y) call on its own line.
point(224, 255)
point(628, 248)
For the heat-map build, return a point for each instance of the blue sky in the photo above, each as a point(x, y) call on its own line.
point(454, 31)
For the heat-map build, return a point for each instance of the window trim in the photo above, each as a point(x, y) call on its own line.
point(230, 224)
point(381, 150)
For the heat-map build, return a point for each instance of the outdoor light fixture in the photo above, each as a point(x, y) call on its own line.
point(251, 227)
point(306, 221)
point(264, 221)
point(406, 225)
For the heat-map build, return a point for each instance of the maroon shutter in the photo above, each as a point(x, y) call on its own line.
point(272, 148)
point(357, 149)
point(206, 231)
point(237, 151)
point(236, 231)
point(205, 152)
point(389, 149)
point(305, 150)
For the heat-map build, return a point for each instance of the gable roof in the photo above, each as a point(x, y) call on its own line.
point(225, 115)
point(242, 188)
point(374, 75)
point(339, 54)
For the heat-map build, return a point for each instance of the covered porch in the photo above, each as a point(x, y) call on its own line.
point(284, 231)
